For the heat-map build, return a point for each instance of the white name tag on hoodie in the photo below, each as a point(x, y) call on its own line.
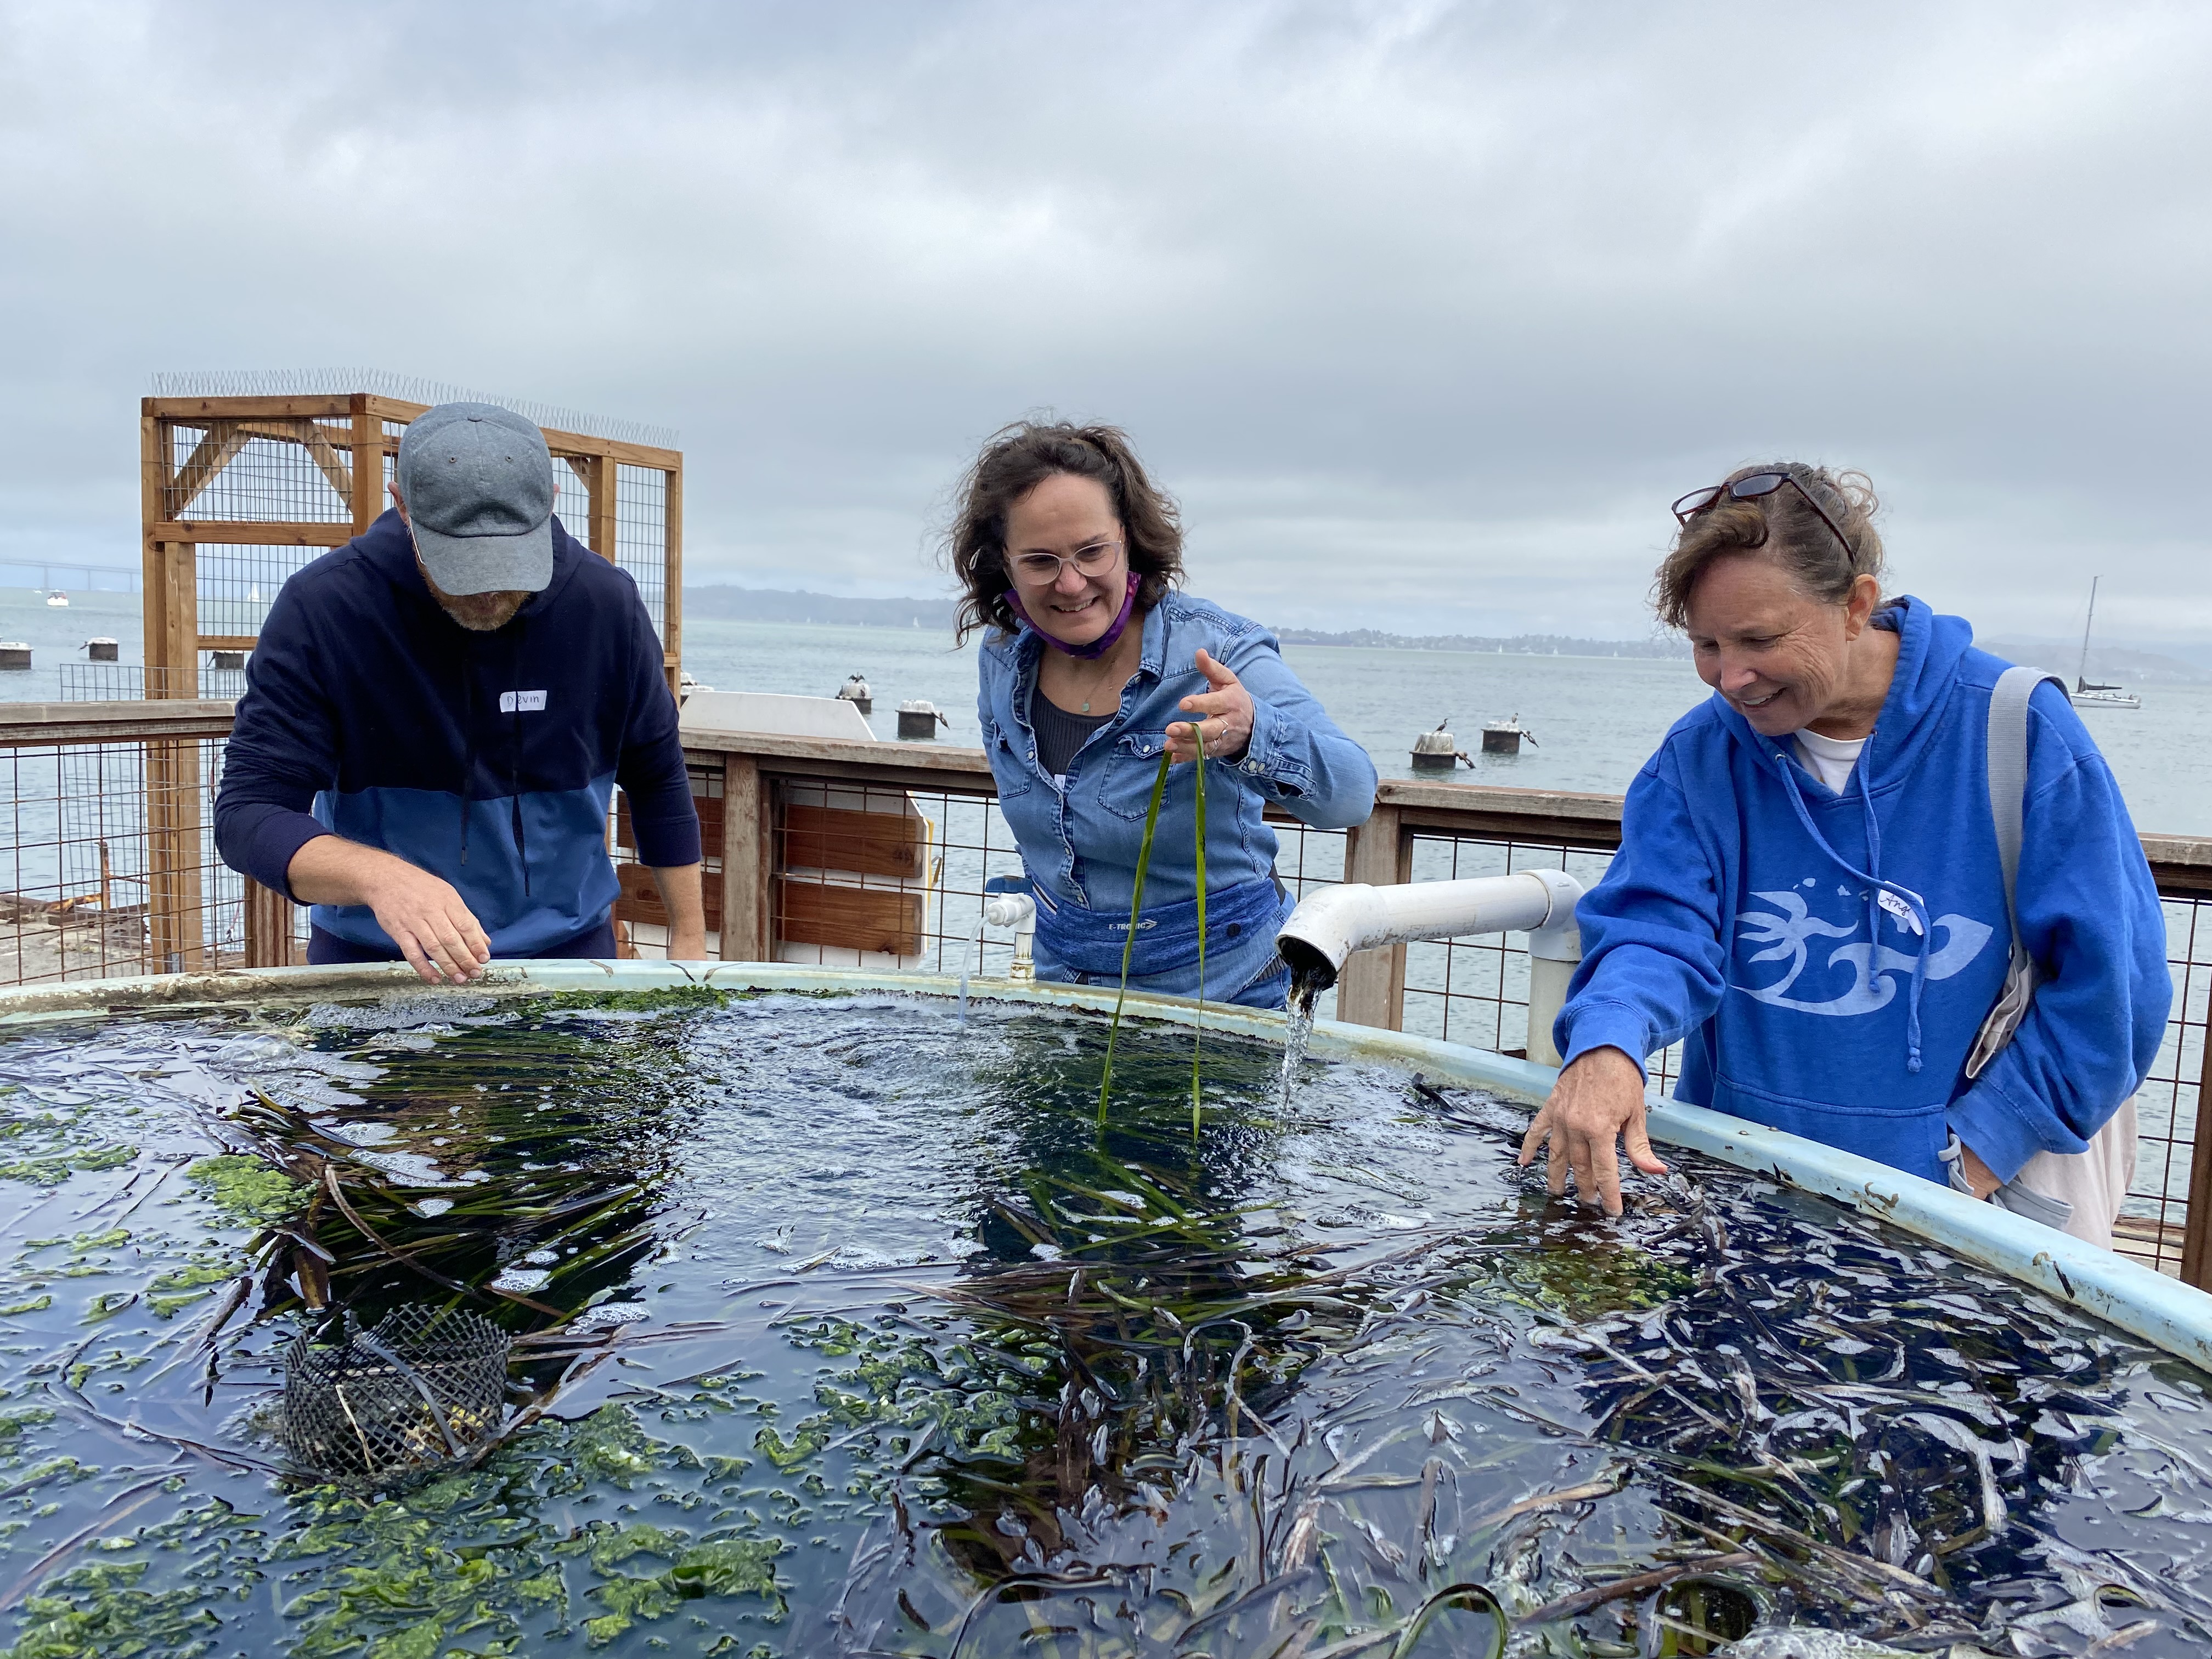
point(522, 703)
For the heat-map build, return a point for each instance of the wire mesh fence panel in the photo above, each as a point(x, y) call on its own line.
point(2152, 1223)
point(572, 495)
point(1475, 991)
point(868, 877)
point(110, 867)
point(237, 584)
point(1306, 860)
point(641, 537)
point(113, 682)
point(258, 471)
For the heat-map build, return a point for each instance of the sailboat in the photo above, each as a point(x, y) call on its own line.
point(2088, 696)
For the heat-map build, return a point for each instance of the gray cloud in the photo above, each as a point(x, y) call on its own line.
point(1424, 310)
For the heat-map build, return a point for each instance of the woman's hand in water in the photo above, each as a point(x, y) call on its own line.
point(1225, 716)
point(1597, 1101)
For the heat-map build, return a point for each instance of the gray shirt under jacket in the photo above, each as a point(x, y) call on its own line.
point(1060, 732)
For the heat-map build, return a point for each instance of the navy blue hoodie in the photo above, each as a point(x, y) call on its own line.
point(1826, 960)
point(487, 759)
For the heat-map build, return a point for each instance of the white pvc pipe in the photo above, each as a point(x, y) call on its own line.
point(1327, 927)
point(1018, 911)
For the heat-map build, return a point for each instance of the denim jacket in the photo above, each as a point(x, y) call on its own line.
point(1079, 843)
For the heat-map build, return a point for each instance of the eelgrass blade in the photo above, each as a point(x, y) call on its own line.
point(1129, 944)
point(1198, 1024)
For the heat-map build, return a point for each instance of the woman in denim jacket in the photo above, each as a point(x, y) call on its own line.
point(1070, 556)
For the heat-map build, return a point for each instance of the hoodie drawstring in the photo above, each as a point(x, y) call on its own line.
point(1875, 887)
point(515, 753)
point(468, 748)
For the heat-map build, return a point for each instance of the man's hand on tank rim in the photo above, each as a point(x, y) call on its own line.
point(1597, 1103)
point(422, 914)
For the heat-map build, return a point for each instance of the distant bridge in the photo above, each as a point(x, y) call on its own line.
point(128, 575)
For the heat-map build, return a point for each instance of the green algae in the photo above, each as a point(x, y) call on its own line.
point(204, 1557)
point(717, 1567)
point(45, 1141)
point(247, 1189)
point(182, 1285)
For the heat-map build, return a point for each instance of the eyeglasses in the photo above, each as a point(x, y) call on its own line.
point(1744, 490)
point(1040, 569)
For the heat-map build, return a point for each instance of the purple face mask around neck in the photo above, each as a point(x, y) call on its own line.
point(1098, 647)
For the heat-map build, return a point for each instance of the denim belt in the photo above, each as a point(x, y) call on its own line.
point(1091, 942)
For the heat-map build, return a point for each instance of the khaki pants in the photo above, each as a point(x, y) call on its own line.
point(2094, 1182)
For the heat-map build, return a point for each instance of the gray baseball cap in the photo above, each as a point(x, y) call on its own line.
point(478, 482)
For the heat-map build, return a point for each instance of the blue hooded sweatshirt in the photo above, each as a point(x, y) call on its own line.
point(487, 759)
point(1827, 960)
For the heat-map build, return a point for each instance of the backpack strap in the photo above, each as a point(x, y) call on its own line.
point(2008, 762)
point(2007, 750)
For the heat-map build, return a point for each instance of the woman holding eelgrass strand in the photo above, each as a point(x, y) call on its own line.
point(1809, 895)
point(1094, 665)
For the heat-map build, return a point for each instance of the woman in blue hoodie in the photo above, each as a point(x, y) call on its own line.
point(1093, 667)
point(1809, 895)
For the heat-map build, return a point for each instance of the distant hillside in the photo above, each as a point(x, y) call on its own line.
point(785, 605)
point(2170, 665)
point(2121, 664)
point(1517, 645)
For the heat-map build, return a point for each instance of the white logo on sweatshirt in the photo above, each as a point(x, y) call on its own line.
point(1789, 930)
point(522, 703)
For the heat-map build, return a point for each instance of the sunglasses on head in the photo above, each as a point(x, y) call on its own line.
point(1750, 489)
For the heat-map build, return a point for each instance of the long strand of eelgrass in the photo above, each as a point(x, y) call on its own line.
point(1129, 944)
point(1198, 1021)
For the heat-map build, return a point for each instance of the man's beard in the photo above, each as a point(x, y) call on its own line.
point(481, 613)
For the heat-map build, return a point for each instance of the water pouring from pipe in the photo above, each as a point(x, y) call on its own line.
point(1327, 927)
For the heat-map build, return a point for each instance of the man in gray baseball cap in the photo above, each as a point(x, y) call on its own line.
point(437, 715)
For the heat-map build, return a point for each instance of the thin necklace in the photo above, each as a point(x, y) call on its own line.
point(1106, 668)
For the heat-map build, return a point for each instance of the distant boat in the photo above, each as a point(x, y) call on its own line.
point(2086, 694)
point(59, 599)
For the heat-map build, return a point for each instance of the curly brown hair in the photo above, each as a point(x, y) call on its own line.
point(1787, 530)
point(1016, 460)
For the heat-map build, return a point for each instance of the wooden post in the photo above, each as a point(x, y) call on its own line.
point(368, 497)
point(748, 860)
point(1371, 990)
point(2197, 1225)
point(175, 901)
point(602, 508)
point(170, 620)
point(170, 608)
point(672, 580)
point(267, 926)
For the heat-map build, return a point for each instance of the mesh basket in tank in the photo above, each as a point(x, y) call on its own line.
point(423, 1387)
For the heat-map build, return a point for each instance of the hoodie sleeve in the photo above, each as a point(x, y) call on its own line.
point(1651, 970)
point(651, 768)
point(283, 752)
point(2089, 913)
point(1298, 756)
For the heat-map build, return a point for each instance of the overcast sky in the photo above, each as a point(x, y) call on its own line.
point(1424, 311)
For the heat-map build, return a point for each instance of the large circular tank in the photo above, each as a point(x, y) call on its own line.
point(839, 1315)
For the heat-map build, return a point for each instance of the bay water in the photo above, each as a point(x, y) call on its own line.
point(1595, 720)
